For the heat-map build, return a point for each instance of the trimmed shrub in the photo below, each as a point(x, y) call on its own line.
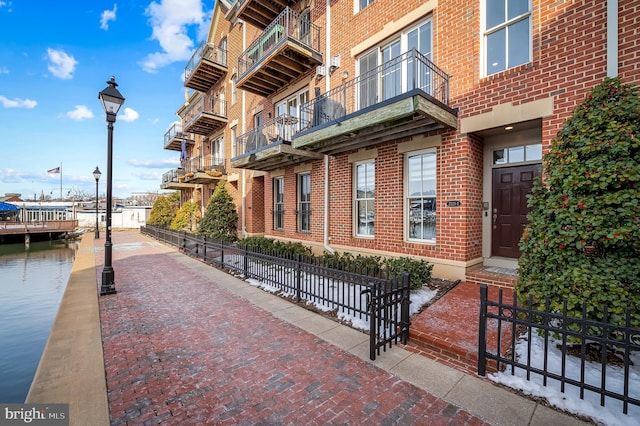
point(582, 242)
point(220, 220)
point(164, 210)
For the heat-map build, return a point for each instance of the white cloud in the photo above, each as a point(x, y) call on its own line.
point(129, 115)
point(155, 164)
point(170, 20)
point(7, 5)
point(4, 70)
point(81, 112)
point(61, 64)
point(106, 16)
point(17, 103)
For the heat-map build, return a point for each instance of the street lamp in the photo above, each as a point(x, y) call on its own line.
point(97, 174)
point(111, 100)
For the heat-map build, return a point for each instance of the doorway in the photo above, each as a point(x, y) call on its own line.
point(510, 187)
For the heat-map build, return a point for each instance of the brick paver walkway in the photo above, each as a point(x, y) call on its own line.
point(181, 349)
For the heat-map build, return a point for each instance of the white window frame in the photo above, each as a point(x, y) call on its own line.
point(234, 141)
point(217, 149)
point(357, 7)
point(283, 107)
point(304, 206)
point(486, 32)
point(409, 218)
point(369, 213)
point(403, 39)
point(278, 203)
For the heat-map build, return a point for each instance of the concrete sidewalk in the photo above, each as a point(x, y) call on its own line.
point(186, 343)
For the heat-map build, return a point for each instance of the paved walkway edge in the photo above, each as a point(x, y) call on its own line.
point(71, 369)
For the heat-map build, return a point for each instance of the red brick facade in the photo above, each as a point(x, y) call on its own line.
point(568, 57)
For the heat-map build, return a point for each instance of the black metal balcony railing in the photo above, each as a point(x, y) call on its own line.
point(409, 71)
point(288, 25)
point(172, 175)
point(205, 115)
point(205, 51)
point(278, 130)
point(204, 163)
point(175, 132)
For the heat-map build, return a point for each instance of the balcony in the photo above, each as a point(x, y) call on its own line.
point(205, 169)
point(205, 115)
point(174, 179)
point(407, 96)
point(174, 137)
point(260, 13)
point(288, 48)
point(269, 147)
point(207, 66)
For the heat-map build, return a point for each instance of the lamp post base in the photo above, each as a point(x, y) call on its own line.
point(108, 282)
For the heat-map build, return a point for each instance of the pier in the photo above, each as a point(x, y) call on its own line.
point(10, 230)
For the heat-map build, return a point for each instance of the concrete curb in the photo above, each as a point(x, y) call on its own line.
point(71, 369)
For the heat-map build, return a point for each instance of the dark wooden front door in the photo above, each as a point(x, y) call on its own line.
point(509, 207)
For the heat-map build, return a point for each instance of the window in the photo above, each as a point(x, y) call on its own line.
point(289, 117)
point(421, 195)
point(304, 202)
point(234, 90)
point(218, 104)
point(234, 142)
point(384, 72)
point(257, 121)
point(217, 151)
point(222, 51)
point(305, 27)
point(278, 203)
point(364, 187)
point(507, 34)
point(518, 154)
point(361, 4)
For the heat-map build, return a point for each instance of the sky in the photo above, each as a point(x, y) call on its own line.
point(55, 57)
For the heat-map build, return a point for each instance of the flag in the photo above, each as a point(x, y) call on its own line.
point(54, 171)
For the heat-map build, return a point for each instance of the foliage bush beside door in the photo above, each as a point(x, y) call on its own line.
point(583, 239)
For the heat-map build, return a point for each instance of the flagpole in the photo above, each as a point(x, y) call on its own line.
point(61, 181)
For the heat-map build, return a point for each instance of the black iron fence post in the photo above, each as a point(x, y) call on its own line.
point(482, 332)
point(404, 307)
point(298, 277)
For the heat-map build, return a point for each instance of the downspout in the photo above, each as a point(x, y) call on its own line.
point(327, 86)
point(243, 204)
point(612, 38)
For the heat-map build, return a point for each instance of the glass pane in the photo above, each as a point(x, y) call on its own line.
point(499, 156)
point(495, 13)
point(519, 43)
point(365, 217)
point(496, 54)
point(392, 72)
point(422, 218)
point(516, 154)
point(533, 152)
point(517, 7)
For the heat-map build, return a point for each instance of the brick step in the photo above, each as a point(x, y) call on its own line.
point(497, 277)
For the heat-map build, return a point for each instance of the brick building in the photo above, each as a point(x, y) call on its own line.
point(388, 127)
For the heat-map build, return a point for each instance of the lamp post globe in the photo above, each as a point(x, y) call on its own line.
point(96, 175)
point(111, 100)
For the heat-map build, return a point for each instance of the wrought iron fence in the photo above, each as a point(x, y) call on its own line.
point(558, 330)
point(360, 295)
point(402, 74)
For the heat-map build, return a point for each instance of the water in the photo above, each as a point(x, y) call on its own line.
point(32, 282)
